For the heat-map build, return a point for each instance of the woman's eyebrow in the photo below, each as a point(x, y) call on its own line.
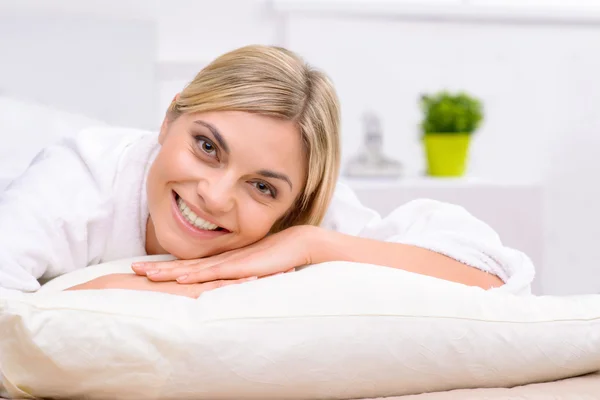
point(216, 134)
point(219, 138)
point(272, 174)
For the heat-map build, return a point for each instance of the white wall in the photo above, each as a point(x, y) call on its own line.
point(192, 33)
point(79, 63)
point(64, 66)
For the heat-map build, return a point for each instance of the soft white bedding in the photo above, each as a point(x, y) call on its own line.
point(336, 330)
point(585, 387)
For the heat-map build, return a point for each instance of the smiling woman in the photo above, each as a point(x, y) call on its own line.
point(235, 146)
point(242, 174)
point(239, 183)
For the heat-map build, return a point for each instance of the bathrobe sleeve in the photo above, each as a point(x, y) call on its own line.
point(54, 217)
point(440, 227)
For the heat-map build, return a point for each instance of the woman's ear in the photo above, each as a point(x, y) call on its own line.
point(164, 127)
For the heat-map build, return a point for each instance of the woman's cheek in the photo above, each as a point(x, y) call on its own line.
point(256, 220)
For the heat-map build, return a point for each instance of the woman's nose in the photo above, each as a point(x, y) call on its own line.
point(217, 193)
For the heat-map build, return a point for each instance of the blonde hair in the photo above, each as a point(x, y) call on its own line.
point(275, 82)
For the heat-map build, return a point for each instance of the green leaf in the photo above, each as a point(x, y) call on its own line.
point(444, 112)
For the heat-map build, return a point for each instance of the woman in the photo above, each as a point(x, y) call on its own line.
point(240, 184)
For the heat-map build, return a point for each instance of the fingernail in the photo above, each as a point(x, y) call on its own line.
point(182, 278)
point(138, 265)
point(152, 271)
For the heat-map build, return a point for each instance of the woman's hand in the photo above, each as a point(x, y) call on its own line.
point(278, 253)
point(135, 282)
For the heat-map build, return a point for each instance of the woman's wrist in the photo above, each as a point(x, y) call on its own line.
point(322, 244)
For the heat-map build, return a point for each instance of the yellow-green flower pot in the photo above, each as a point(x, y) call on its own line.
point(446, 153)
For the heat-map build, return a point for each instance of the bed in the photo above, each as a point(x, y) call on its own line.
point(313, 347)
point(581, 387)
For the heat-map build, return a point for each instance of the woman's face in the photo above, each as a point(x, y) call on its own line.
point(220, 182)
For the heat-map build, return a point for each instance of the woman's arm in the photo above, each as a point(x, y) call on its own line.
point(51, 217)
point(304, 245)
point(140, 283)
point(333, 246)
point(436, 234)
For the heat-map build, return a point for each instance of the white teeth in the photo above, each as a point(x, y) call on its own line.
point(192, 218)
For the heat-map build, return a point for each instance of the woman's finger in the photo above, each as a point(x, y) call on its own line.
point(168, 274)
point(171, 274)
point(142, 268)
point(238, 266)
point(196, 290)
point(237, 269)
point(214, 273)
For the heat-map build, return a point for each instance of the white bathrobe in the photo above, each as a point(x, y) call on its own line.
point(83, 201)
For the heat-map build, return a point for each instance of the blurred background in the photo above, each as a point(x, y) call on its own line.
point(526, 71)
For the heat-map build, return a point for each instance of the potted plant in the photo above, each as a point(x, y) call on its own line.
point(449, 121)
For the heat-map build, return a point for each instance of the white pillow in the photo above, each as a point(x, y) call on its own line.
point(337, 330)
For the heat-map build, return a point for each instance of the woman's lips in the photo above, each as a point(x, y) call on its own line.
point(190, 229)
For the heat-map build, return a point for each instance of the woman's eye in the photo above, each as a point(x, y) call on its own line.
point(207, 147)
point(264, 188)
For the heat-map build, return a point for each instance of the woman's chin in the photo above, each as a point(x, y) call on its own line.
point(190, 252)
point(184, 254)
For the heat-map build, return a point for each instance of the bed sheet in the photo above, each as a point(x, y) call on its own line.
point(585, 387)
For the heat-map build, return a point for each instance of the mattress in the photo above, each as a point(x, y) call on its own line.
point(585, 387)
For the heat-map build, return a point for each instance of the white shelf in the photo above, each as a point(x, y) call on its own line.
point(431, 183)
point(440, 11)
